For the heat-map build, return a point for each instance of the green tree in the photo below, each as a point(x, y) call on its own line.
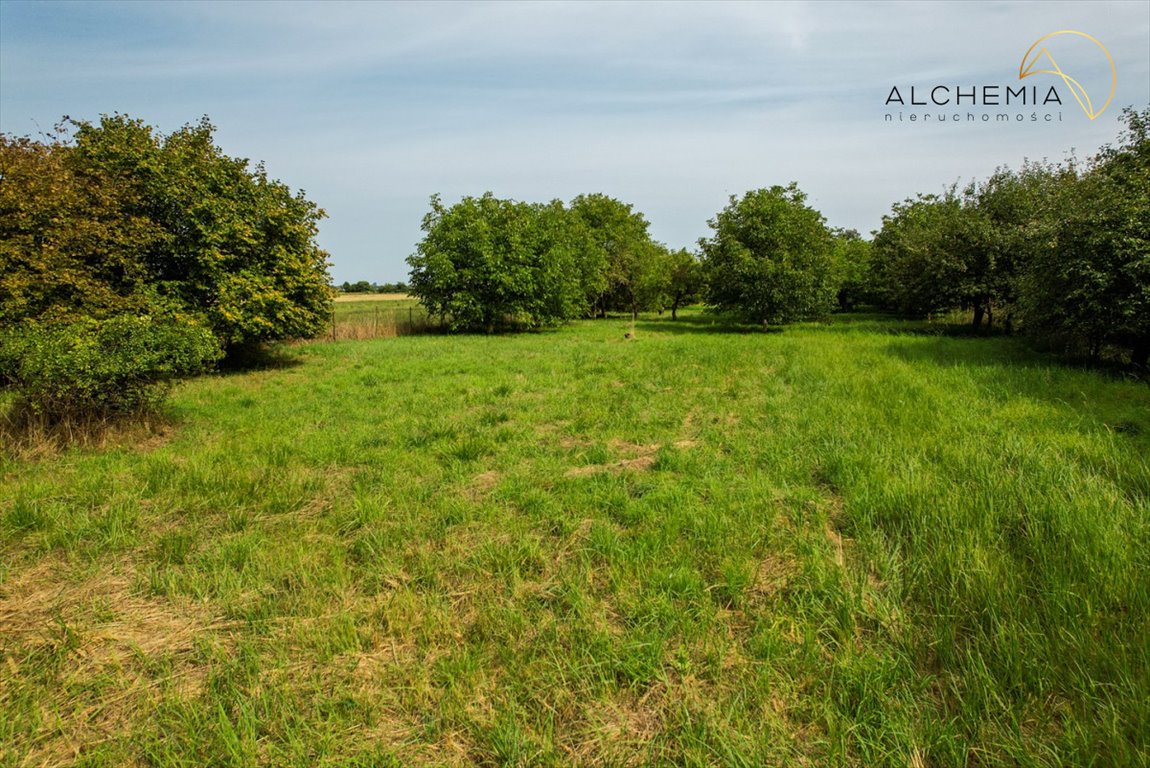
point(685, 280)
point(237, 247)
point(852, 256)
point(770, 258)
point(1015, 206)
point(931, 255)
point(1089, 288)
point(70, 242)
point(621, 244)
point(486, 263)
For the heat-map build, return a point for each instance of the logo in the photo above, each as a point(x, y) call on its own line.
point(1073, 46)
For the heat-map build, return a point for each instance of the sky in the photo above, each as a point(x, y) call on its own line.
point(372, 107)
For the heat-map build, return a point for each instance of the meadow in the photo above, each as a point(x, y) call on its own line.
point(862, 543)
point(377, 316)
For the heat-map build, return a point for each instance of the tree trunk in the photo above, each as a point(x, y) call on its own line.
point(979, 311)
point(1140, 355)
point(675, 311)
point(989, 317)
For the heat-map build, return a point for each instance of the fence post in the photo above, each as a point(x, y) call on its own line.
point(375, 324)
point(333, 323)
point(410, 319)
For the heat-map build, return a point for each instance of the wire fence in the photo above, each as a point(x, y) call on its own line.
point(380, 323)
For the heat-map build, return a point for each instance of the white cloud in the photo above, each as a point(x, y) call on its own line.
point(373, 106)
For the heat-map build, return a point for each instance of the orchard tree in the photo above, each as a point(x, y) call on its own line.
point(770, 258)
point(684, 280)
point(852, 256)
point(570, 272)
point(1091, 287)
point(621, 242)
point(966, 250)
point(486, 262)
point(1015, 211)
point(931, 256)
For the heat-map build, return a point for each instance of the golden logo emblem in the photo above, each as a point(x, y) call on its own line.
point(1034, 58)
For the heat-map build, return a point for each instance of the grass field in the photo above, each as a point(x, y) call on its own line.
point(859, 543)
point(377, 316)
point(362, 298)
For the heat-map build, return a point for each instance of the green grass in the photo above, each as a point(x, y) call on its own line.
point(847, 544)
point(378, 318)
point(349, 309)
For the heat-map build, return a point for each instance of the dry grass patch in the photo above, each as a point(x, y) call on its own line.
point(481, 485)
point(774, 574)
point(25, 439)
point(638, 457)
point(97, 654)
point(113, 622)
point(639, 464)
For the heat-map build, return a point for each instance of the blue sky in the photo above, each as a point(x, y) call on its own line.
point(373, 107)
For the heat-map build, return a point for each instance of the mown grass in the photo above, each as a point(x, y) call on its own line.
point(849, 544)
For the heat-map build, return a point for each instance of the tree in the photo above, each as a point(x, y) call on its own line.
point(620, 243)
point(1015, 210)
point(769, 259)
point(486, 263)
point(932, 255)
point(685, 279)
point(70, 242)
point(852, 256)
point(236, 247)
point(1090, 286)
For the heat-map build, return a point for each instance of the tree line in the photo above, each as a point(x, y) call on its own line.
point(129, 257)
point(1058, 251)
point(1061, 251)
point(363, 286)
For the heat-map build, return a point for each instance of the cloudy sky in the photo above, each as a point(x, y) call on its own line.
point(372, 107)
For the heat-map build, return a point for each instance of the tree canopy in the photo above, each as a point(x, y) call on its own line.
point(770, 258)
point(116, 217)
point(486, 263)
point(1061, 250)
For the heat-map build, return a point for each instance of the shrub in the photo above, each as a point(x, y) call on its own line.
point(117, 215)
point(92, 368)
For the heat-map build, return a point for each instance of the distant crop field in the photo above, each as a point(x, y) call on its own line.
point(360, 297)
point(374, 316)
point(859, 543)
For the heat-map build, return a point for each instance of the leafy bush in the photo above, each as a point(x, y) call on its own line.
point(99, 368)
point(117, 215)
